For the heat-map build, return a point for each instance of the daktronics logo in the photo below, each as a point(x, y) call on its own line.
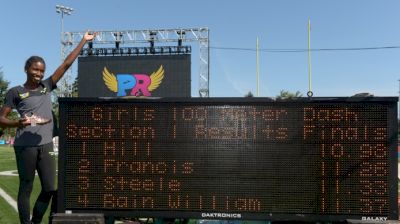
point(133, 84)
point(221, 215)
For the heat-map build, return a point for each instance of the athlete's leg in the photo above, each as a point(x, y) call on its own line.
point(26, 164)
point(46, 168)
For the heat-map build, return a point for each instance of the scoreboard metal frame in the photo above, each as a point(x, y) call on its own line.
point(307, 159)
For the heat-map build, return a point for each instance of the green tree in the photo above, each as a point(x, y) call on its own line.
point(3, 86)
point(74, 93)
point(13, 115)
point(249, 94)
point(74, 90)
point(286, 95)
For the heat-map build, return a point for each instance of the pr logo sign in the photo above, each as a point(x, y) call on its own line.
point(133, 84)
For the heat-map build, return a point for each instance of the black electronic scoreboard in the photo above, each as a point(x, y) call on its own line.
point(327, 159)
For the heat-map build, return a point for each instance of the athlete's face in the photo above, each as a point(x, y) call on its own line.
point(36, 72)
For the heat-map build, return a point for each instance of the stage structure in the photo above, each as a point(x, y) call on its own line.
point(135, 42)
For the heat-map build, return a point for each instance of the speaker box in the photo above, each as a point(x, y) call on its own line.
point(78, 218)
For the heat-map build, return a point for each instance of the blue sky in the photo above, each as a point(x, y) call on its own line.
point(33, 28)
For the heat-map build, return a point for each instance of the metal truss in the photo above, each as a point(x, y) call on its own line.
point(128, 51)
point(129, 38)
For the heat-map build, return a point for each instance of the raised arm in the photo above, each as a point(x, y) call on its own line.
point(60, 71)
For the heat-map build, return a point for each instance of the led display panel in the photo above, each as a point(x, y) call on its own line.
point(134, 75)
point(326, 159)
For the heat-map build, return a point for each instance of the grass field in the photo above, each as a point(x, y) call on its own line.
point(9, 184)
